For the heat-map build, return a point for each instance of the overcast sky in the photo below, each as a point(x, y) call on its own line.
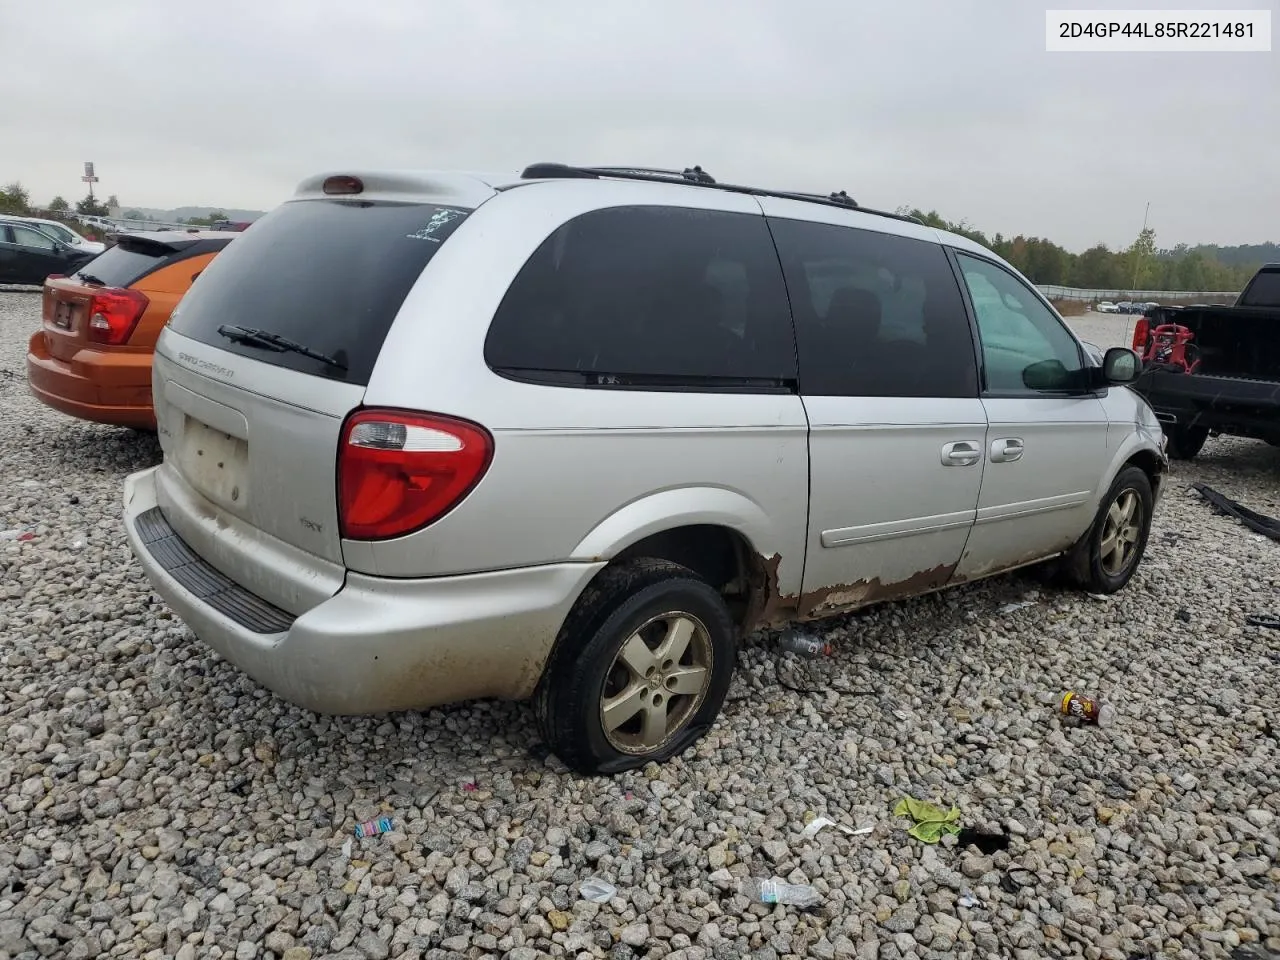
point(946, 104)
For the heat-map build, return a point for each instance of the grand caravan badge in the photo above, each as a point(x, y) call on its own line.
point(206, 366)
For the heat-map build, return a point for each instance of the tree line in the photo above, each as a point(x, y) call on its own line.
point(1139, 266)
point(14, 199)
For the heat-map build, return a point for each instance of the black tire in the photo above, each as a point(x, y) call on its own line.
point(569, 701)
point(1185, 442)
point(1087, 566)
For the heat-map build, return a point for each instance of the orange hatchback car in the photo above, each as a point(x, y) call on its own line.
point(91, 357)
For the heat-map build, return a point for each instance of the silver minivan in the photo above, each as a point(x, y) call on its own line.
point(567, 435)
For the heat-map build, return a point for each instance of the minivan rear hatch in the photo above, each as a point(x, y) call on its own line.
point(261, 363)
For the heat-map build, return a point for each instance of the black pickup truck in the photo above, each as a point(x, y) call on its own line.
point(1210, 370)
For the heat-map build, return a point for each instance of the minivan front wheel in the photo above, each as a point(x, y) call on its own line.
point(1105, 560)
point(640, 669)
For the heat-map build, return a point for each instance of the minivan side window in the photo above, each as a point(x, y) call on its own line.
point(1026, 350)
point(877, 315)
point(647, 297)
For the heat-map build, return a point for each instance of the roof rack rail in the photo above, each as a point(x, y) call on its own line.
point(696, 176)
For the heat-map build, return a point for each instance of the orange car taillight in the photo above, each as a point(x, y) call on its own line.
point(113, 315)
point(398, 471)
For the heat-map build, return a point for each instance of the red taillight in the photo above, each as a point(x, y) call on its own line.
point(1140, 335)
point(343, 185)
point(113, 314)
point(398, 472)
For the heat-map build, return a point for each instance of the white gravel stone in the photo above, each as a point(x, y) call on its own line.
point(159, 803)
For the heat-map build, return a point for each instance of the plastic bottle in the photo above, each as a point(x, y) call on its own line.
point(777, 891)
point(803, 644)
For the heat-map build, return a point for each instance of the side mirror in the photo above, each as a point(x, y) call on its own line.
point(1120, 366)
point(1046, 375)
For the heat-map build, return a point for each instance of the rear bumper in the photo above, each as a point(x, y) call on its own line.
point(105, 387)
point(377, 645)
point(1229, 405)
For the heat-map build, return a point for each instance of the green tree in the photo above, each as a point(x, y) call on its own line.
point(1140, 266)
point(1097, 268)
point(1139, 260)
point(15, 199)
point(91, 207)
point(59, 205)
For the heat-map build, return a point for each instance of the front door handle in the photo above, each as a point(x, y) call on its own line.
point(1006, 449)
point(961, 453)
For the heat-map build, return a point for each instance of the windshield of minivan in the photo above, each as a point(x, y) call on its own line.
point(327, 274)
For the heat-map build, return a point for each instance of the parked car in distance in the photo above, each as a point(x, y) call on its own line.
point(566, 435)
point(91, 357)
point(1106, 306)
point(1124, 306)
point(61, 232)
point(28, 254)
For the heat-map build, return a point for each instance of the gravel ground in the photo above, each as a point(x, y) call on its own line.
point(158, 804)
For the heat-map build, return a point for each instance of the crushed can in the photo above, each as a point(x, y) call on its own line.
point(1086, 709)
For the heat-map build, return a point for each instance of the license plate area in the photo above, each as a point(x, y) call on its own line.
point(62, 315)
point(215, 464)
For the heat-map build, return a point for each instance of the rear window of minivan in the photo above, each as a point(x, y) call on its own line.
point(327, 274)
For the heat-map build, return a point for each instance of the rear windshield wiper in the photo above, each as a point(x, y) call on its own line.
point(273, 341)
point(90, 278)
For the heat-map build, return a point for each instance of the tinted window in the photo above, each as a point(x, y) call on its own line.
point(646, 295)
point(1263, 290)
point(877, 315)
point(58, 231)
point(125, 263)
point(1025, 347)
point(29, 237)
point(328, 274)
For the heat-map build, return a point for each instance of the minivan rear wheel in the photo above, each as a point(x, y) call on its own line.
point(639, 670)
point(1106, 559)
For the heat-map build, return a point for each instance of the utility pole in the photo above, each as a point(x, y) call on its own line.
point(1137, 253)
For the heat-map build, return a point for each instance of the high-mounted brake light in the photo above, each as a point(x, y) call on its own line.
point(343, 185)
point(1140, 331)
point(398, 472)
point(114, 313)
